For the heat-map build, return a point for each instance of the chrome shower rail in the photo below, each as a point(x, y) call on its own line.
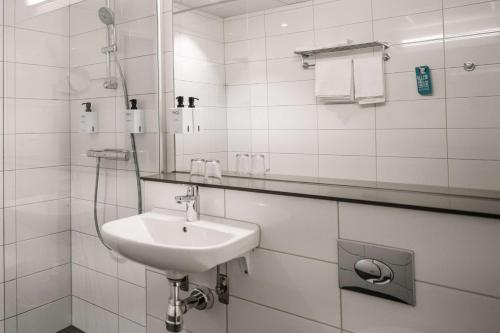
point(306, 53)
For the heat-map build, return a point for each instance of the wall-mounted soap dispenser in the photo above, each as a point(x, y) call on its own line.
point(198, 123)
point(88, 119)
point(134, 119)
point(180, 118)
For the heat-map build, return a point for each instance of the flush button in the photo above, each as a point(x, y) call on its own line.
point(374, 271)
point(377, 270)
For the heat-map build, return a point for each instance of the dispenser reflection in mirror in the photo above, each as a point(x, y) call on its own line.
point(185, 120)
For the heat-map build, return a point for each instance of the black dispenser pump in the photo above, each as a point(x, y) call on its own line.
point(180, 101)
point(88, 106)
point(134, 104)
point(191, 102)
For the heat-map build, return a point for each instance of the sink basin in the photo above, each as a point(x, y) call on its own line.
point(164, 240)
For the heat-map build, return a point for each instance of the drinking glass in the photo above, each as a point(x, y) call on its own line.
point(258, 164)
point(243, 164)
point(197, 167)
point(213, 169)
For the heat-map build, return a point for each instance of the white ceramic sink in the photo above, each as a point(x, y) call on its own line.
point(164, 240)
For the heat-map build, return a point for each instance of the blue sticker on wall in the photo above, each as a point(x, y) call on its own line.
point(424, 80)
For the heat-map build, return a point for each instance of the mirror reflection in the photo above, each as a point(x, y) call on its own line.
point(232, 83)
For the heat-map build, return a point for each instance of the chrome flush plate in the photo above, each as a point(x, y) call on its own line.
point(377, 270)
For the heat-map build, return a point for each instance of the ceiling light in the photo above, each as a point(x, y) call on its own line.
point(34, 2)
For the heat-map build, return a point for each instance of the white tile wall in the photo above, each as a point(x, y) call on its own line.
point(293, 287)
point(56, 252)
point(247, 317)
point(320, 303)
point(409, 130)
point(297, 226)
point(93, 319)
point(132, 302)
point(36, 222)
point(55, 283)
point(199, 63)
point(45, 319)
point(454, 239)
point(109, 292)
point(464, 312)
point(96, 288)
point(459, 122)
point(3, 311)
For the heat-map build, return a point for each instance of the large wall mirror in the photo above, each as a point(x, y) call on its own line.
point(252, 95)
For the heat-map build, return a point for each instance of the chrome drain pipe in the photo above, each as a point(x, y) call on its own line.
point(200, 299)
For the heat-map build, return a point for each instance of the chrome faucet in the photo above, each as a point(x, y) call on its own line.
point(192, 200)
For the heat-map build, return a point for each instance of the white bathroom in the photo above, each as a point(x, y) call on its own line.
point(250, 166)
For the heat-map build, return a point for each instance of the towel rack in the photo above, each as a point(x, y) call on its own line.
point(344, 47)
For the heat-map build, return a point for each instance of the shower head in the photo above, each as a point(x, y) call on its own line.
point(106, 16)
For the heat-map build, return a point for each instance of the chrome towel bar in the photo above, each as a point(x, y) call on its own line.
point(306, 53)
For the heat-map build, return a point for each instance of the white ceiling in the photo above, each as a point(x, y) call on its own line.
point(232, 8)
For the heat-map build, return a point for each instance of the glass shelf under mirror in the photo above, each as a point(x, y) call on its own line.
point(437, 199)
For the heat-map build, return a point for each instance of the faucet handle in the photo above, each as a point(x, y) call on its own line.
point(192, 203)
point(192, 190)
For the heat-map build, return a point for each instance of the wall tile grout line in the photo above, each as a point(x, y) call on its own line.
point(445, 93)
point(107, 310)
point(41, 306)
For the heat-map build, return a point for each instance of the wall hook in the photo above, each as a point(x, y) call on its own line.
point(306, 64)
point(469, 66)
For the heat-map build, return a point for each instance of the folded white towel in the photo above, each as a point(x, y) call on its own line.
point(369, 80)
point(334, 80)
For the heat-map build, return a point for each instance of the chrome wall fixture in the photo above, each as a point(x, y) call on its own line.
point(109, 154)
point(192, 201)
point(305, 54)
point(107, 17)
point(469, 66)
point(378, 271)
point(374, 271)
point(200, 299)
